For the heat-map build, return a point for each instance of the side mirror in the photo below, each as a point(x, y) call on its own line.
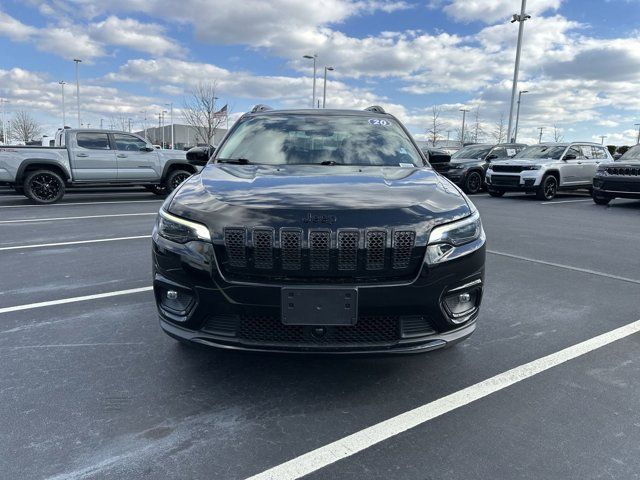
point(199, 156)
point(147, 149)
point(493, 156)
point(570, 156)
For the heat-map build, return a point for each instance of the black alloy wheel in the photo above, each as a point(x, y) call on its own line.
point(44, 186)
point(548, 188)
point(473, 183)
point(175, 178)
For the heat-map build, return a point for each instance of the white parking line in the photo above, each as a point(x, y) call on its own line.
point(363, 439)
point(567, 267)
point(27, 220)
point(131, 202)
point(78, 242)
point(70, 345)
point(565, 201)
point(84, 298)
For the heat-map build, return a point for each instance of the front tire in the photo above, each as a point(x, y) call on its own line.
point(473, 183)
point(496, 193)
point(175, 178)
point(548, 188)
point(44, 187)
point(600, 199)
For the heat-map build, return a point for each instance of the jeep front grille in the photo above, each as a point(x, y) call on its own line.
point(508, 168)
point(624, 171)
point(318, 254)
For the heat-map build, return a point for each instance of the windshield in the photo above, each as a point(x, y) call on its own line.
point(472, 151)
point(631, 154)
point(542, 151)
point(291, 139)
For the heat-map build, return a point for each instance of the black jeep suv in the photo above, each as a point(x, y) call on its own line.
point(619, 179)
point(318, 231)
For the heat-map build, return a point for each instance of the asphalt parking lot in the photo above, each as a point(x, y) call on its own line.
point(91, 388)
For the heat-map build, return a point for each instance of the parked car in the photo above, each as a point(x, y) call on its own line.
point(91, 158)
point(620, 179)
point(318, 231)
point(468, 165)
point(545, 168)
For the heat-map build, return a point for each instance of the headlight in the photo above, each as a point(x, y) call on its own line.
point(446, 239)
point(180, 230)
point(533, 167)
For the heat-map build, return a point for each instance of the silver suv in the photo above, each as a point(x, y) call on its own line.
point(545, 168)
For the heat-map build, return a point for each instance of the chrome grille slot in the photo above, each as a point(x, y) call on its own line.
point(235, 240)
point(348, 249)
point(263, 247)
point(403, 242)
point(319, 246)
point(376, 243)
point(291, 248)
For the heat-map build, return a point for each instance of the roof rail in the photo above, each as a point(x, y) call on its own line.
point(375, 109)
point(260, 108)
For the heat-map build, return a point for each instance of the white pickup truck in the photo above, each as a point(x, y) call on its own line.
point(91, 158)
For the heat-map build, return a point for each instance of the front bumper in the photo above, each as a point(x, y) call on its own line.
point(617, 186)
point(528, 182)
point(393, 318)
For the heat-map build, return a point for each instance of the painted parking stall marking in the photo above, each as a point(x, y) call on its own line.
point(78, 242)
point(363, 439)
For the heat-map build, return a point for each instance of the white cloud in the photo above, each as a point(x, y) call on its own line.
point(15, 29)
point(493, 10)
point(127, 32)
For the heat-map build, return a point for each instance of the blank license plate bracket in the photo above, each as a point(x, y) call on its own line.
point(319, 306)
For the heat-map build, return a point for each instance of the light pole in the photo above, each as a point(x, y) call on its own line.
point(5, 134)
point(144, 125)
point(602, 137)
point(515, 130)
point(64, 116)
point(540, 137)
point(163, 112)
point(78, 61)
point(313, 57)
point(637, 125)
point(324, 89)
point(520, 19)
point(464, 116)
point(129, 124)
point(171, 118)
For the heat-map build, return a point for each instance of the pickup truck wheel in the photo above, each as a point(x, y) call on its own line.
point(548, 188)
point(175, 178)
point(473, 183)
point(496, 193)
point(44, 186)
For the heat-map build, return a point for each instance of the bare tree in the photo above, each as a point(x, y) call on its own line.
point(478, 131)
point(499, 132)
point(557, 134)
point(433, 132)
point(24, 128)
point(468, 136)
point(200, 112)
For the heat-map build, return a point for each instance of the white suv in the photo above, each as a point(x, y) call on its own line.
point(545, 168)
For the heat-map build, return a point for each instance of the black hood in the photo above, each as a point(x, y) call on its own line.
point(331, 196)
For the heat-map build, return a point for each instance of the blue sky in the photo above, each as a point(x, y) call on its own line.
point(581, 60)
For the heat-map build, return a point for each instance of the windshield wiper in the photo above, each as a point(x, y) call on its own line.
point(237, 161)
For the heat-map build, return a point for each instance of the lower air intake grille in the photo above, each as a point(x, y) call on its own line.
point(368, 330)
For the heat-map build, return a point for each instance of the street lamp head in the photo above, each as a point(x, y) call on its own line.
point(524, 91)
point(62, 82)
point(331, 69)
point(77, 60)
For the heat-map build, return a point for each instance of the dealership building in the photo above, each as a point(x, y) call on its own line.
point(185, 136)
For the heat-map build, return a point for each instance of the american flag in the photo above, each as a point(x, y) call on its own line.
point(222, 112)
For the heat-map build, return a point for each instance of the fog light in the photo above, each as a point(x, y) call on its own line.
point(176, 301)
point(461, 305)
